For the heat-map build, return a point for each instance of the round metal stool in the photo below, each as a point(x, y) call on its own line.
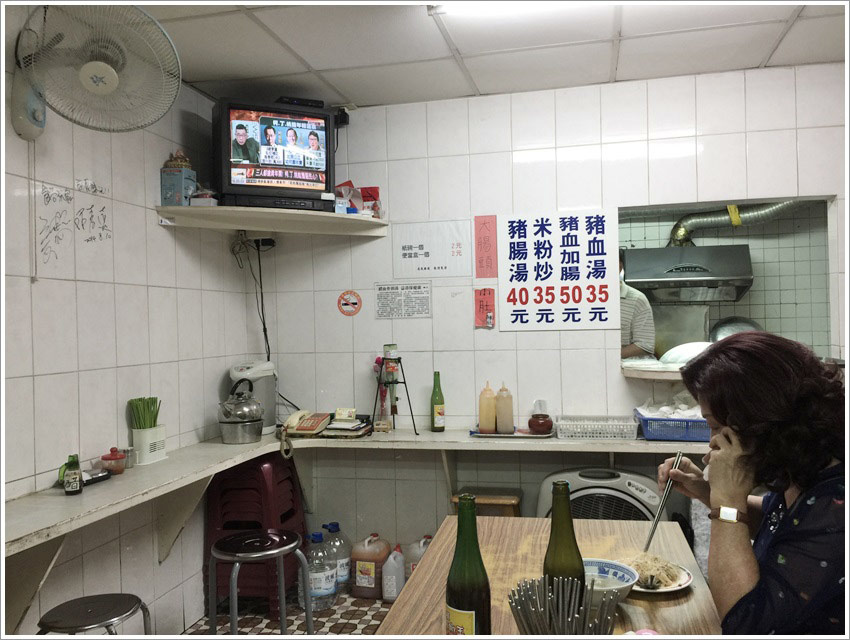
point(92, 612)
point(257, 546)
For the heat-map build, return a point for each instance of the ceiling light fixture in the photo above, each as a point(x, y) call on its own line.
point(498, 9)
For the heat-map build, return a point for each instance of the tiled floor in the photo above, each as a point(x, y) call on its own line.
point(350, 616)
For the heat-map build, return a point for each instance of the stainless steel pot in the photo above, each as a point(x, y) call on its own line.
point(241, 416)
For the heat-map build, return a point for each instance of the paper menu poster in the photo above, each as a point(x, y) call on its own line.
point(486, 260)
point(432, 249)
point(485, 308)
point(558, 271)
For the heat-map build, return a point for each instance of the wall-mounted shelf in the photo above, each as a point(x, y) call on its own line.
point(657, 375)
point(272, 220)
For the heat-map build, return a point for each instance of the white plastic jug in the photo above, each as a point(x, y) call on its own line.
point(413, 554)
point(392, 577)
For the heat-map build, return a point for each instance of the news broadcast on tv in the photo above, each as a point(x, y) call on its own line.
point(277, 150)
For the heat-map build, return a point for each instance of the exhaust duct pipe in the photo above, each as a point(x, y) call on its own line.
point(680, 234)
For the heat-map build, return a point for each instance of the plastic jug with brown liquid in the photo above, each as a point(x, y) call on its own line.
point(367, 559)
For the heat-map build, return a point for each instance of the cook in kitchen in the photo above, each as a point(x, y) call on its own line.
point(637, 327)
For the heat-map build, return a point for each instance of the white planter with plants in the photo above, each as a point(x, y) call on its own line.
point(148, 435)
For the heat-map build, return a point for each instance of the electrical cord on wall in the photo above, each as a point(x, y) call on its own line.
point(242, 246)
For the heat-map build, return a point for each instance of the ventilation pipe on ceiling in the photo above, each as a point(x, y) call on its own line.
point(680, 234)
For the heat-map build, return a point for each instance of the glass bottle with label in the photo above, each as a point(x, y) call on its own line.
point(73, 477)
point(467, 587)
point(563, 558)
point(438, 406)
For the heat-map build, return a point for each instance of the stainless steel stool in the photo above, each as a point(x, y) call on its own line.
point(92, 612)
point(257, 546)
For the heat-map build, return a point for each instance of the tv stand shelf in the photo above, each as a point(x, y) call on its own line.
point(273, 220)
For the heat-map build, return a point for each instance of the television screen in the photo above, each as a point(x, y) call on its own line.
point(277, 149)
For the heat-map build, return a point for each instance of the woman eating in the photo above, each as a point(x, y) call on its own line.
point(776, 415)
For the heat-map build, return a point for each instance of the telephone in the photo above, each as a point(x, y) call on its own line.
point(306, 423)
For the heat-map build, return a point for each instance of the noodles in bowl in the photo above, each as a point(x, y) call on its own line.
point(647, 565)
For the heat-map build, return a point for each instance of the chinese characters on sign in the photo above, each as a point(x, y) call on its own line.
point(485, 307)
point(403, 300)
point(558, 272)
point(431, 249)
point(486, 265)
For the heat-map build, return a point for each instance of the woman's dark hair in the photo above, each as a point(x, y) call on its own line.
point(786, 406)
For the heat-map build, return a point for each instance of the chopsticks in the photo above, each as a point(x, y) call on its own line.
point(658, 513)
point(556, 606)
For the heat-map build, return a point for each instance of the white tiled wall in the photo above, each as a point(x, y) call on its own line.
point(768, 133)
point(149, 310)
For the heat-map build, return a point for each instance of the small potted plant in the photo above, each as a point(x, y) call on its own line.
point(148, 435)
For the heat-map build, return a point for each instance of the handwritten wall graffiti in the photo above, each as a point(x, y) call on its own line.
point(55, 225)
point(93, 223)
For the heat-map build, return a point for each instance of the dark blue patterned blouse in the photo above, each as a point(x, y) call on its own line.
point(801, 561)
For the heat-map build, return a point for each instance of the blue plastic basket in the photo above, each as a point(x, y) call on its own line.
point(673, 429)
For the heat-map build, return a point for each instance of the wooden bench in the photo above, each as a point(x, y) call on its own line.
point(493, 501)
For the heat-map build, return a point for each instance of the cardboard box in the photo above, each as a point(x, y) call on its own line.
point(176, 187)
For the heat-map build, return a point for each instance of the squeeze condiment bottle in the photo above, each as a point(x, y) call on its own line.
point(487, 410)
point(504, 411)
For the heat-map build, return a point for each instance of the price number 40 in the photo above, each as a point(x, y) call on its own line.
point(568, 294)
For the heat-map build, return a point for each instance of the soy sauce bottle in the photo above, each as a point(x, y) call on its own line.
point(467, 587)
point(73, 478)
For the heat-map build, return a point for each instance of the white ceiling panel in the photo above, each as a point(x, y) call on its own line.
point(339, 37)
point(811, 40)
point(209, 50)
point(640, 19)
point(302, 85)
point(814, 11)
point(171, 11)
point(541, 68)
point(696, 51)
point(401, 83)
point(563, 23)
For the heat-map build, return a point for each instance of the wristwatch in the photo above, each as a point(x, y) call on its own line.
point(728, 514)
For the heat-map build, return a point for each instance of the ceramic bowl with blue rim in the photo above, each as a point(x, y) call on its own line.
point(608, 576)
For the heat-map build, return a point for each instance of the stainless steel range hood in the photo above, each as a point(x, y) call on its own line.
point(690, 274)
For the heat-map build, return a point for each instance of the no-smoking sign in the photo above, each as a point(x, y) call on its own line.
point(349, 303)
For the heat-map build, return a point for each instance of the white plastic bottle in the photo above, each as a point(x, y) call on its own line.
point(341, 545)
point(392, 577)
point(322, 569)
point(413, 554)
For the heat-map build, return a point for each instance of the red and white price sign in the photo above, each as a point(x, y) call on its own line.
point(559, 272)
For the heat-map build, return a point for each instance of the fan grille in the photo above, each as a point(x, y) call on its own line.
point(58, 40)
point(604, 507)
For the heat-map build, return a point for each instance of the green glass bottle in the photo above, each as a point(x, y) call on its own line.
point(72, 479)
point(438, 406)
point(467, 587)
point(563, 558)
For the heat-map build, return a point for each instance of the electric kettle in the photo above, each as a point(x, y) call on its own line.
point(241, 415)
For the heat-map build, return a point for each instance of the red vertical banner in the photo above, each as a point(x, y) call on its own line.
point(485, 308)
point(486, 258)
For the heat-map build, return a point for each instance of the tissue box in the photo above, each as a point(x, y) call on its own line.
point(176, 187)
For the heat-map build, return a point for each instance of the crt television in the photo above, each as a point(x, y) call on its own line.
point(276, 155)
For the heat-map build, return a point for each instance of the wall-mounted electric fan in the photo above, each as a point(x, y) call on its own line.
point(104, 67)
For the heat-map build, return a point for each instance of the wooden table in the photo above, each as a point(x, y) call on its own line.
point(513, 549)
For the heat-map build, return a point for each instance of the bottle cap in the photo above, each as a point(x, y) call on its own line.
point(316, 537)
point(113, 454)
point(397, 548)
point(332, 527)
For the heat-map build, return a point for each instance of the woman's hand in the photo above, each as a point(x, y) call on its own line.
point(730, 480)
point(687, 479)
